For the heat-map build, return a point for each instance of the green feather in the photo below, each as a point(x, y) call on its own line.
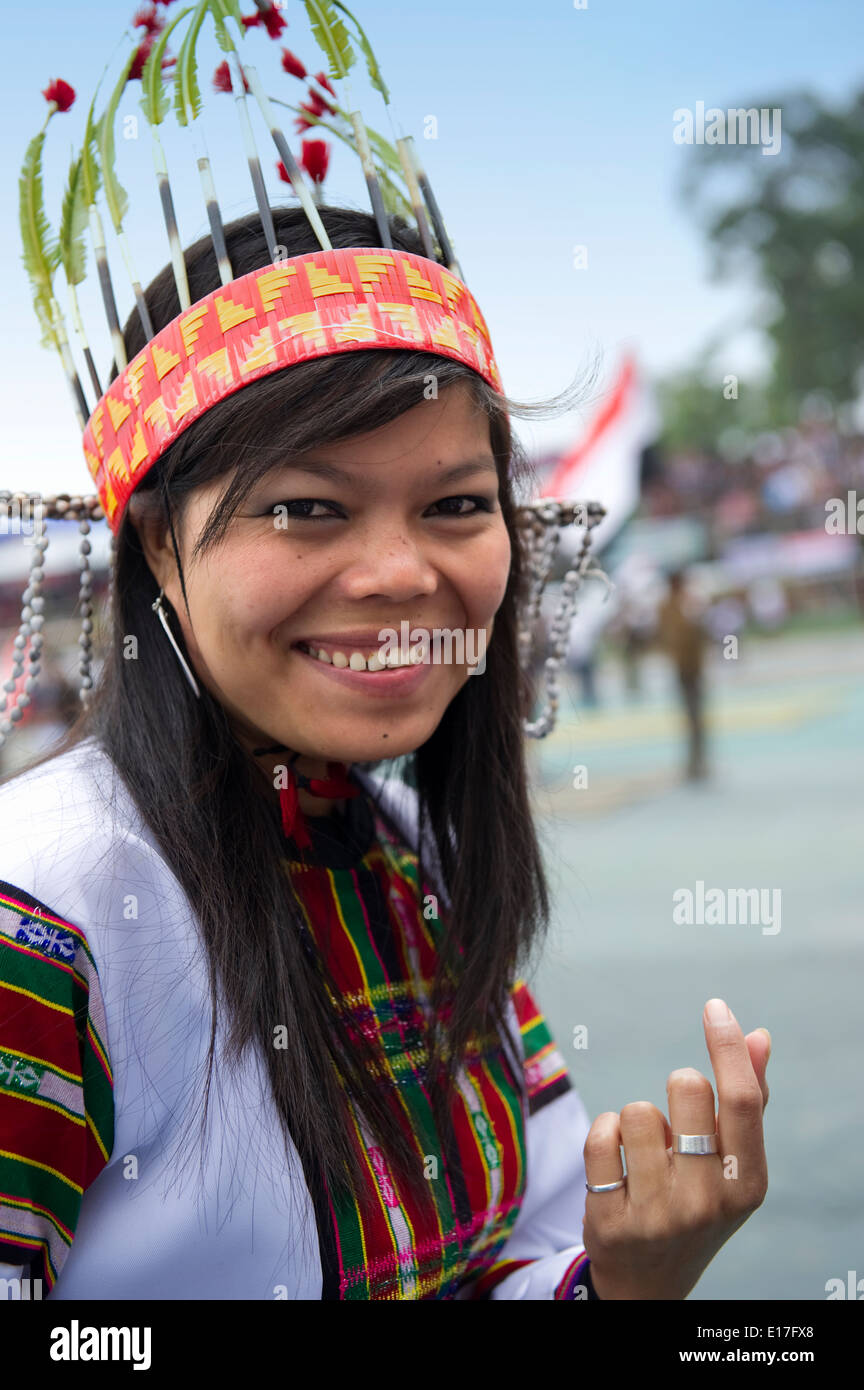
point(154, 102)
point(73, 220)
point(219, 11)
point(331, 36)
point(115, 195)
point(187, 94)
point(90, 174)
point(231, 8)
point(384, 151)
point(374, 70)
point(41, 253)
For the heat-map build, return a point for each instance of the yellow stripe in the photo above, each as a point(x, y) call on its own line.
point(28, 993)
point(49, 1104)
point(20, 1158)
point(94, 1131)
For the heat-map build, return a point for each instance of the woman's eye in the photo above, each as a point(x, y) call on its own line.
point(304, 502)
point(482, 505)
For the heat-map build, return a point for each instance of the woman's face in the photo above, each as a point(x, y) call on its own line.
point(333, 562)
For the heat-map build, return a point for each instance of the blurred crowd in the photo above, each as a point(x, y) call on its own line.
point(777, 481)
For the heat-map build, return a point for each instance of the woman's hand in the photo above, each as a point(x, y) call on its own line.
point(654, 1237)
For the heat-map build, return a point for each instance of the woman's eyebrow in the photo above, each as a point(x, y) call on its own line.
point(485, 464)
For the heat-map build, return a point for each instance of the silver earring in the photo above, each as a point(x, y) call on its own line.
point(160, 612)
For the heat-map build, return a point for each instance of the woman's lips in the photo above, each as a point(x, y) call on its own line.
point(400, 680)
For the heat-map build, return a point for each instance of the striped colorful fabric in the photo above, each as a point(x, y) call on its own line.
point(380, 942)
point(360, 902)
point(56, 1086)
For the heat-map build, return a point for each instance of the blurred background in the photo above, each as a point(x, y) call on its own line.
point(709, 293)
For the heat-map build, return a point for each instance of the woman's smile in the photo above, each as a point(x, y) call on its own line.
point(389, 681)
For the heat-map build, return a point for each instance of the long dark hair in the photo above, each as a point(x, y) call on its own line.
point(212, 810)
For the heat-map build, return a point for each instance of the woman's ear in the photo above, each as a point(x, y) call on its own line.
point(147, 517)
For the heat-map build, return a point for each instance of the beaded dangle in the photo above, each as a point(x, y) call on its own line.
point(541, 522)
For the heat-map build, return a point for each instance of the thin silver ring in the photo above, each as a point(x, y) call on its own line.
point(607, 1186)
point(695, 1143)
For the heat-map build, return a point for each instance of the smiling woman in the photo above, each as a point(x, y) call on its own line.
point(264, 913)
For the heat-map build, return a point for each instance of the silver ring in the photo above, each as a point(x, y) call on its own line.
point(607, 1186)
point(695, 1143)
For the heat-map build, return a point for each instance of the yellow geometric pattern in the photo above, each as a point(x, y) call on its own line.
point(230, 314)
point(358, 328)
point(135, 375)
point(272, 283)
point(405, 316)
point(163, 361)
point(308, 326)
point(421, 288)
point(372, 269)
point(190, 326)
point(262, 351)
point(321, 282)
point(187, 399)
point(119, 411)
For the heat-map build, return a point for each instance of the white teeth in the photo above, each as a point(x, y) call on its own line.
point(356, 661)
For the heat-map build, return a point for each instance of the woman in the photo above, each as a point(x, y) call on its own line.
point(300, 976)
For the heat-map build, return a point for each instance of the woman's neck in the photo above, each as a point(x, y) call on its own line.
point(311, 805)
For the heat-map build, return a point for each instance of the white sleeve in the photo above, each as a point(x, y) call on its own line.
point(544, 1257)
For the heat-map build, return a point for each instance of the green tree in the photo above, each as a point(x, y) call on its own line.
point(796, 226)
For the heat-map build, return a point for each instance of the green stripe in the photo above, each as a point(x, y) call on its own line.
point(99, 1097)
point(25, 1180)
point(536, 1038)
point(38, 975)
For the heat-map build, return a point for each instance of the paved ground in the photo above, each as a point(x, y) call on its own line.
point(782, 810)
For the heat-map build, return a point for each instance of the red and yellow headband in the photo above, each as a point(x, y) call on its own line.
point(309, 306)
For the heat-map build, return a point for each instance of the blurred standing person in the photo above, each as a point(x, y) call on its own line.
point(682, 636)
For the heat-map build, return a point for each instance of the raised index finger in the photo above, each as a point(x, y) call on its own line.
point(739, 1095)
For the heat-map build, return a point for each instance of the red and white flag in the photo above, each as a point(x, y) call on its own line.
point(604, 466)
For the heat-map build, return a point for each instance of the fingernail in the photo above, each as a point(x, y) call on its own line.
point(718, 1011)
point(768, 1036)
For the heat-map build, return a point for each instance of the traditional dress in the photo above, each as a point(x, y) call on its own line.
point(104, 1027)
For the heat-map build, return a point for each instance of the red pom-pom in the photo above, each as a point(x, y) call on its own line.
point(59, 92)
point(324, 81)
point(315, 159)
point(317, 104)
point(142, 53)
point(273, 22)
point(149, 18)
point(222, 79)
point(292, 65)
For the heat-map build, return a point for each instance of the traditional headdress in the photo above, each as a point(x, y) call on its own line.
point(288, 310)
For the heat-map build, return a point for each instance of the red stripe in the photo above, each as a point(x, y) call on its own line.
point(562, 479)
point(29, 1026)
point(42, 1135)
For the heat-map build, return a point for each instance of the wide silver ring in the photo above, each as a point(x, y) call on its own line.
point(695, 1143)
point(606, 1186)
